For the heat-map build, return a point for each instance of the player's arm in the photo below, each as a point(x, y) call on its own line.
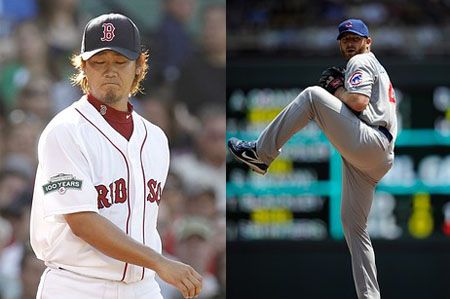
point(356, 101)
point(106, 237)
point(332, 80)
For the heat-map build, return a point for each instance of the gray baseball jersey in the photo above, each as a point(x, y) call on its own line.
point(365, 75)
point(367, 153)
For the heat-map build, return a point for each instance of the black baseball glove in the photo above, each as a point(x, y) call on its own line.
point(332, 78)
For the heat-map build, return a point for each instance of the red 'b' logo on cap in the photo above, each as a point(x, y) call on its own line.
point(108, 32)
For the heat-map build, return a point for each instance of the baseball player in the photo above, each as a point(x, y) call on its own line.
point(356, 110)
point(102, 169)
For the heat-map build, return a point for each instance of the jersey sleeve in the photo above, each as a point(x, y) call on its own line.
point(359, 76)
point(65, 184)
point(167, 156)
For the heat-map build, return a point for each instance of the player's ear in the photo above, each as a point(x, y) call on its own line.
point(369, 41)
point(138, 70)
point(83, 66)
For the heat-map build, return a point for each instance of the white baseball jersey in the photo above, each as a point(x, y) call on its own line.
point(86, 165)
point(365, 75)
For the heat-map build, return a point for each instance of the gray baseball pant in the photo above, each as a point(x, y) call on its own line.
point(367, 155)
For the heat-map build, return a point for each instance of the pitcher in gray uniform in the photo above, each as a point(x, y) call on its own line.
point(356, 110)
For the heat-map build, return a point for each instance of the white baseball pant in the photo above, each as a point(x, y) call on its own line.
point(63, 284)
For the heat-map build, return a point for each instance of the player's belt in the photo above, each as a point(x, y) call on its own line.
point(385, 133)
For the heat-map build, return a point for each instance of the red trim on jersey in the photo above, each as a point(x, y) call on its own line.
point(121, 121)
point(145, 198)
point(128, 181)
point(391, 94)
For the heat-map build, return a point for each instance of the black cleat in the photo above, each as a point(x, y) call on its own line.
point(246, 152)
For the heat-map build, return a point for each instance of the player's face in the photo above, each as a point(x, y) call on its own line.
point(110, 76)
point(352, 44)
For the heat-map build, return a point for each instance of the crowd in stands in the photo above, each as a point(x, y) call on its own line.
point(414, 29)
point(184, 95)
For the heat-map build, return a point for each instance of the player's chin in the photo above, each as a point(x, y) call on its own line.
point(111, 89)
point(350, 54)
point(110, 95)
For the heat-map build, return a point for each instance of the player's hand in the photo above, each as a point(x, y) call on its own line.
point(332, 78)
point(181, 276)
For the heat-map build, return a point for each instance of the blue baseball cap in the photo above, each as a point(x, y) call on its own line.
point(114, 32)
point(355, 26)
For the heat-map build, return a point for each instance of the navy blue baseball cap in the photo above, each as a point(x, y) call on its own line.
point(355, 26)
point(114, 32)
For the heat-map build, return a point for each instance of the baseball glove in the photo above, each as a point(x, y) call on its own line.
point(332, 78)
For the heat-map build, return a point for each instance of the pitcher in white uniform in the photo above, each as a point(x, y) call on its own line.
point(102, 169)
point(356, 110)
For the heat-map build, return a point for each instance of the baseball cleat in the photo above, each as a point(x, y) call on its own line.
point(245, 151)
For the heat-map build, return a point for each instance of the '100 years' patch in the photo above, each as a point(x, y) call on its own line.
point(61, 182)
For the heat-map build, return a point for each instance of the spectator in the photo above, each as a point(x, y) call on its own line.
point(158, 108)
point(194, 247)
point(18, 214)
point(203, 77)
point(193, 243)
point(12, 13)
point(174, 196)
point(2, 144)
point(61, 22)
point(5, 235)
point(35, 101)
point(31, 269)
point(12, 183)
point(171, 209)
point(205, 167)
point(283, 26)
point(172, 43)
point(63, 26)
point(31, 62)
point(21, 140)
point(202, 202)
point(5, 238)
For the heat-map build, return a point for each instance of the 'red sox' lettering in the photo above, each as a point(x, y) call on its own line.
point(155, 191)
point(118, 193)
point(102, 201)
